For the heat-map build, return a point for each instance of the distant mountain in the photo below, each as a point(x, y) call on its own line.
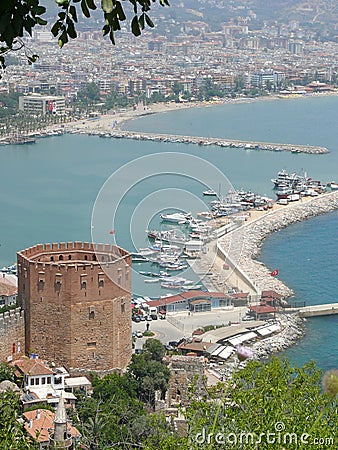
point(304, 11)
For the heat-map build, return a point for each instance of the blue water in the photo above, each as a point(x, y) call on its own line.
point(306, 255)
point(48, 191)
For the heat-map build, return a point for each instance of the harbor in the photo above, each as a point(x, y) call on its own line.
point(228, 266)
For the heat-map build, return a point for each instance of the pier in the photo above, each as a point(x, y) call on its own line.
point(319, 310)
point(220, 142)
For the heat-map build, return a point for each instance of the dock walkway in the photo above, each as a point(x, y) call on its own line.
point(319, 310)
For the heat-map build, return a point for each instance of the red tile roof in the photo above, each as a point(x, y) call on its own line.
point(262, 309)
point(188, 295)
point(7, 289)
point(32, 367)
point(240, 295)
point(42, 423)
point(272, 294)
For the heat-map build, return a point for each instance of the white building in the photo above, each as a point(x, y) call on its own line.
point(44, 383)
point(42, 104)
point(8, 291)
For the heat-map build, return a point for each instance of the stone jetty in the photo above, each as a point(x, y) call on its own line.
point(206, 141)
point(244, 243)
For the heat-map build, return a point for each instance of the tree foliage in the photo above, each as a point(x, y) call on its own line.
point(263, 398)
point(19, 17)
point(12, 436)
point(6, 372)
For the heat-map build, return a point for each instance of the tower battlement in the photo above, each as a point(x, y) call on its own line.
point(10, 318)
point(77, 302)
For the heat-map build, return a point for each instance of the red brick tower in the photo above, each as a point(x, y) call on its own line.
point(75, 315)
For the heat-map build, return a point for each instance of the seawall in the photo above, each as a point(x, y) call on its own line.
point(244, 244)
point(206, 141)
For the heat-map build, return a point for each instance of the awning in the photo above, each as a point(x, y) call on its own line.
point(236, 340)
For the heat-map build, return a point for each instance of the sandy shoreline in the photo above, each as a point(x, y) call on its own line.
point(115, 121)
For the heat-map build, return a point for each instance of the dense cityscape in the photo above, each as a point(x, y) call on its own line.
point(181, 60)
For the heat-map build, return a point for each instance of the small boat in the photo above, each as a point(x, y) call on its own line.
point(152, 280)
point(138, 257)
point(193, 287)
point(333, 186)
point(211, 193)
point(179, 218)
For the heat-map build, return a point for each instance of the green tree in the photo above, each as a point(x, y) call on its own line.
point(89, 94)
point(268, 397)
point(148, 372)
point(20, 17)
point(108, 416)
point(6, 372)
point(239, 83)
point(155, 349)
point(12, 435)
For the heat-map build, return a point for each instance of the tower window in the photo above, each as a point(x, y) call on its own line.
point(91, 344)
point(91, 315)
point(61, 258)
point(69, 256)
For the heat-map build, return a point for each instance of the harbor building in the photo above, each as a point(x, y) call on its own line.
point(76, 299)
point(42, 104)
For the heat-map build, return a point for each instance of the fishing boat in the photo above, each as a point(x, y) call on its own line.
point(171, 236)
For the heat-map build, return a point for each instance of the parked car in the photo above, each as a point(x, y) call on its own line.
point(136, 319)
point(168, 347)
point(153, 316)
point(247, 318)
point(149, 318)
point(139, 334)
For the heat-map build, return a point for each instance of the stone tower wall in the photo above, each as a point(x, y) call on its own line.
point(12, 335)
point(74, 314)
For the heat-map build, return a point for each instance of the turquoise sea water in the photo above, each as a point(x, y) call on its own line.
point(306, 254)
point(48, 190)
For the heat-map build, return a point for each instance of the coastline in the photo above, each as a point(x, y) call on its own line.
point(121, 117)
point(245, 242)
point(251, 237)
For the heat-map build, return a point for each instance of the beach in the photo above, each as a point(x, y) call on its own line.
point(116, 119)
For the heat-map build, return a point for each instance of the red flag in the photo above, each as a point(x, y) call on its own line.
point(274, 273)
point(112, 232)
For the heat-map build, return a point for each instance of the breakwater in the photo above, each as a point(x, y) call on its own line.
point(206, 141)
point(244, 244)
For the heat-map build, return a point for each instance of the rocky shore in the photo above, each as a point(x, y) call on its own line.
point(244, 244)
point(292, 329)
